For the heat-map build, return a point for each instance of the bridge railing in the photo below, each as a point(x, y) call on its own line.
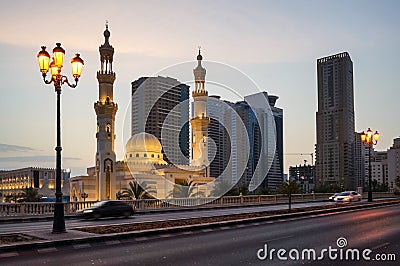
point(47, 208)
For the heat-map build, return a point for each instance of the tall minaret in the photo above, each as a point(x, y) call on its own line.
point(200, 121)
point(105, 110)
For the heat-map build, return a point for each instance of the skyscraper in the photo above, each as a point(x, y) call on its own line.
point(160, 106)
point(393, 158)
point(335, 122)
point(267, 134)
point(217, 135)
point(360, 161)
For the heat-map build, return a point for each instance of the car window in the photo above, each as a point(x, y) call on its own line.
point(100, 203)
point(354, 193)
point(344, 194)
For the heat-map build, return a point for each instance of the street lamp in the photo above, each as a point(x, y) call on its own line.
point(58, 80)
point(369, 138)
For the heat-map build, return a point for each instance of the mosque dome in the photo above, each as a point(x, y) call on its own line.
point(144, 148)
point(144, 142)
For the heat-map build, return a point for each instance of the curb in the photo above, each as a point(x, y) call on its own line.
point(125, 235)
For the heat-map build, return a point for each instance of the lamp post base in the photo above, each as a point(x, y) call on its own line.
point(59, 221)
point(369, 196)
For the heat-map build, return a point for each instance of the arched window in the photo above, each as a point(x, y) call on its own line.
point(137, 154)
point(108, 100)
point(145, 155)
point(108, 128)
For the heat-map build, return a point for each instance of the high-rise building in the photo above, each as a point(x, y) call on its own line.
point(160, 106)
point(335, 122)
point(359, 160)
point(393, 159)
point(217, 135)
point(105, 109)
point(270, 133)
point(253, 140)
point(304, 176)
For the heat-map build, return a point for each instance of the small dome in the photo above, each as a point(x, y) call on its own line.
point(143, 142)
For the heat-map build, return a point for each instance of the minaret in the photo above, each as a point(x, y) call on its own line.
point(200, 121)
point(105, 110)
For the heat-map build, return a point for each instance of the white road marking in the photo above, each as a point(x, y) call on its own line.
point(47, 250)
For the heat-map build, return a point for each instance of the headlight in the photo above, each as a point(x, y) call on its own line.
point(87, 211)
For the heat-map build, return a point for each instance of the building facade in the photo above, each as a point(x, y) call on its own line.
point(269, 145)
point(360, 164)
point(304, 175)
point(12, 181)
point(160, 106)
point(335, 122)
point(393, 159)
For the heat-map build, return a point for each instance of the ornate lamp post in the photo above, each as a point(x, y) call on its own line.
point(58, 80)
point(369, 138)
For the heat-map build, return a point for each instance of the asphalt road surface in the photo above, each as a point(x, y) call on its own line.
point(376, 229)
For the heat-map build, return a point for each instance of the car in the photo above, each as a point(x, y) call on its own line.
point(108, 208)
point(332, 198)
point(348, 196)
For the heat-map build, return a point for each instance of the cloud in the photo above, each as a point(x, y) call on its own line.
point(14, 148)
point(38, 158)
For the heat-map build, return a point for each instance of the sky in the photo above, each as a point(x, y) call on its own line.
point(275, 44)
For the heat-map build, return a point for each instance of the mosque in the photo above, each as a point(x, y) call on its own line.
point(143, 160)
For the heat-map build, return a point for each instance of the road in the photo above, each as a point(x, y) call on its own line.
point(377, 229)
point(139, 218)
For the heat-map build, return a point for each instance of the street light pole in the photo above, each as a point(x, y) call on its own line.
point(58, 80)
point(369, 175)
point(369, 138)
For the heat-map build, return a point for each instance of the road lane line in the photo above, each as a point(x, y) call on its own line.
point(279, 238)
point(380, 246)
point(79, 246)
point(47, 250)
point(8, 254)
point(112, 242)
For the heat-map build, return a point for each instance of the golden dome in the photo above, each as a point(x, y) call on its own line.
point(143, 142)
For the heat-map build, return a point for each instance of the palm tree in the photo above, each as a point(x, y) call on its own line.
point(185, 189)
point(136, 190)
point(221, 188)
point(29, 194)
point(288, 188)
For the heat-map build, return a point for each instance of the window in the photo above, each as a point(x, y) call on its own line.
point(108, 128)
point(137, 154)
